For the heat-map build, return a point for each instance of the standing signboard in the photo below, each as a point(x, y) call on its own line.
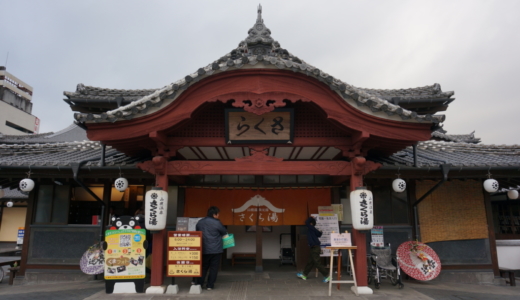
point(327, 225)
point(124, 257)
point(184, 254)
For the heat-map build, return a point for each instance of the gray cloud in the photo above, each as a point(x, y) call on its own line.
point(467, 46)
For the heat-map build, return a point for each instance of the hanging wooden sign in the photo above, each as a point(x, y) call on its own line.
point(184, 253)
point(271, 127)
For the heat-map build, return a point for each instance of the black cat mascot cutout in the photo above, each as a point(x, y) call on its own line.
point(125, 250)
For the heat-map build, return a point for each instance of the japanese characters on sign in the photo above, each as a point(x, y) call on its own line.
point(377, 236)
point(184, 253)
point(246, 127)
point(361, 204)
point(257, 207)
point(156, 206)
point(125, 254)
point(327, 225)
point(340, 239)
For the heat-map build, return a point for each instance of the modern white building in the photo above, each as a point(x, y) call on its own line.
point(16, 106)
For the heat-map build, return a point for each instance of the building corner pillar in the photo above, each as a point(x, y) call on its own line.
point(359, 237)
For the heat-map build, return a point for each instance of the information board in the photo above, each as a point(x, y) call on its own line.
point(125, 254)
point(326, 224)
point(184, 253)
point(377, 236)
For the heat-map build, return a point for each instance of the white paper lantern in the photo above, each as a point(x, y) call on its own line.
point(10, 204)
point(399, 185)
point(491, 185)
point(155, 209)
point(512, 194)
point(121, 184)
point(26, 185)
point(361, 205)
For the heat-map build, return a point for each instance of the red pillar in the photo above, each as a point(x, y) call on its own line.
point(359, 238)
point(158, 242)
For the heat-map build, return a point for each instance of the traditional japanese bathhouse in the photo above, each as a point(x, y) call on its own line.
point(267, 138)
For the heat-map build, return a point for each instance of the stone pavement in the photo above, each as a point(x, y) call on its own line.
point(238, 284)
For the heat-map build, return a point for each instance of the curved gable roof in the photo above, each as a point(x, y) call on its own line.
point(258, 50)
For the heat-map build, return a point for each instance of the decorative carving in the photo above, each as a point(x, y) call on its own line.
point(160, 164)
point(147, 166)
point(188, 165)
point(259, 154)
point(260, 105)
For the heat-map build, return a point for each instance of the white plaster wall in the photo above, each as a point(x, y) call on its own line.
point(246, 242)
point(16, 116)
point(508, 256)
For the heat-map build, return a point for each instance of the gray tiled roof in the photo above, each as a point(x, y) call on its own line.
point(96, 93)
point(13, 194)
point(260, 48)
point(434, 153)
point(62, 148)
point(70, 134)
point(461, 138)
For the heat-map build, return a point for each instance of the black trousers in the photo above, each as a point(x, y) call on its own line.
point(315, 262)
point(210, 262)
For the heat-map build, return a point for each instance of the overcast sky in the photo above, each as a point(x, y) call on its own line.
point(470, 47)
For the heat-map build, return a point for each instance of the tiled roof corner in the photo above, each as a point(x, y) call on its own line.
point(260, 48)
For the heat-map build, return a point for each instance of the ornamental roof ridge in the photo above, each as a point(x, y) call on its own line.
point(257, 48)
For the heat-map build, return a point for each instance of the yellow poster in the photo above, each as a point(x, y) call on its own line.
point(125, 254)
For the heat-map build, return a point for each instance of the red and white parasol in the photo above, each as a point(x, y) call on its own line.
point(418, 260)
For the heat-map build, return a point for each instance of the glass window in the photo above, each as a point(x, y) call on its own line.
point(211, 178)
point(44, 204)
point(271, 179)
point(52, 204)
point(305, 178)
point(229, 178)
point(288, 179)
point(506, 217)
point(246, 179)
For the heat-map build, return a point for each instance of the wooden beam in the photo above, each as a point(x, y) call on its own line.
point(258, 164)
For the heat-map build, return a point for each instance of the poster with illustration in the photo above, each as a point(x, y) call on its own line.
point(125, 254)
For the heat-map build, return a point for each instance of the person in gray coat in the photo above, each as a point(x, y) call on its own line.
point(212, 233)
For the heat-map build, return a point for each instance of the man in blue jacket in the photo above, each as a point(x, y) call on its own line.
point(314, 259)
point(212, 233)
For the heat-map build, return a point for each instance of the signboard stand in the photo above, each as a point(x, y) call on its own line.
point(184, 258)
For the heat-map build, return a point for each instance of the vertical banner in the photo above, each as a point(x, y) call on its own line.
point(184, 254)
point(21, 233)
point(125, 254)
point(377, 236)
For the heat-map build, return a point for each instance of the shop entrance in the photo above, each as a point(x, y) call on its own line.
point(245, 210)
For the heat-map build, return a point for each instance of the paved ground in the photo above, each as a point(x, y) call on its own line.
point(277, 284)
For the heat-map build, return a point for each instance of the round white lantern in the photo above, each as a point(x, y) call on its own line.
point(121, 184)
point(362, 207)
point(26, 185)
point(155, 209)
point(399, 185)
point(512, 194)
point(491, 185)
point(10, 204)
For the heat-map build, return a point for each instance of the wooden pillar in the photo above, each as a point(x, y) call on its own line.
point(161, 180)
point(359, 238)
point(259, 267)
point(491, 233)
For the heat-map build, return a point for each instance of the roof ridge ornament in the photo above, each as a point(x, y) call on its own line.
point(259, 18)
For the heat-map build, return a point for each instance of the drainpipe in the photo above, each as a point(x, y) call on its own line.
point(414, 155)
point(103, 151)
point(75, 169)
point(445, 169)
